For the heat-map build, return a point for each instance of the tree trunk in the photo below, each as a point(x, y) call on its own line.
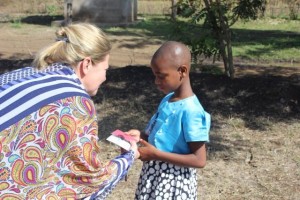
point(222, 47)
point(221, 31)
point(174, 9)
point(226, 40)
point(68, 11)
point(230, 56)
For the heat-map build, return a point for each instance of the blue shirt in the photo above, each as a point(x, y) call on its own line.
point(177, 123)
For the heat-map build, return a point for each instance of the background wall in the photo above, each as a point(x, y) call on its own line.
point(9, 8)
point(104, 11)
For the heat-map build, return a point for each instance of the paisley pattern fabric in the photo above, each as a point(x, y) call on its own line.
point(53, 152)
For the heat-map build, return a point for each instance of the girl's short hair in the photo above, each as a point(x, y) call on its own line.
point(73, 43)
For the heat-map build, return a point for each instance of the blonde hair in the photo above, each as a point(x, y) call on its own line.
point(73, 43)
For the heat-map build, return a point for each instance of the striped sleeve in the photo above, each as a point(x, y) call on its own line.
point(123, 162)
point(23, 96)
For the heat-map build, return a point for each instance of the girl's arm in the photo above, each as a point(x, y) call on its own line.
point(195, 159)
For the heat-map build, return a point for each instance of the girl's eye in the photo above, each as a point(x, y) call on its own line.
point(161, 76)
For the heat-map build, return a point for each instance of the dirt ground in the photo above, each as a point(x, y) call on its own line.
point(254, 149)
point(23, 42)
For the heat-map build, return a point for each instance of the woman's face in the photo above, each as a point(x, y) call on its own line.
point(95, 75)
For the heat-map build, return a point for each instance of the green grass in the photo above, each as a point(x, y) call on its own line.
point(156, 26)
point(270, 24)
point(16, 23)
point(52, 10)
point(267, 40)
point(263, 40)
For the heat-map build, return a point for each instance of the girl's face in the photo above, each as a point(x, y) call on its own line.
point(167, 77)
point(95, 75)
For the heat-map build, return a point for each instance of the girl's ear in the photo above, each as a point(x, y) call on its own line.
point(183, 71)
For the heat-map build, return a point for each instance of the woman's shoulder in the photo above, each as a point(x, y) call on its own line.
point(17, 74)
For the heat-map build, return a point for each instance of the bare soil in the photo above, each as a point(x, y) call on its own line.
point(254, 149)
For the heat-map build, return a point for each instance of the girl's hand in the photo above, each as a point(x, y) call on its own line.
point(147, 151)
point(136, 134)
point(133, 139)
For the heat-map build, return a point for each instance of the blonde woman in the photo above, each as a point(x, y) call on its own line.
point(48, 125)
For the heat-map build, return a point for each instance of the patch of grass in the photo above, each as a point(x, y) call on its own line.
point(263, 40)
point(52, 10)
point(210, 69)
point(267, 40)
point(16, 23)
point(155, 26)
point(236, 122)
point(269, 24)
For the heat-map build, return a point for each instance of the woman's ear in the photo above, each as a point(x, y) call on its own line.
point(85, 65)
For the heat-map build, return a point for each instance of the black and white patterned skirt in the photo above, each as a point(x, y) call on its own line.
point(163, 181)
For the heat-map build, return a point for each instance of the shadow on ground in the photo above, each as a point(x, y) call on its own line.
point(45, 20)
point(128, 98)
point(251, 98)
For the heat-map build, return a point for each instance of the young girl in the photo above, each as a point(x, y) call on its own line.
point(177, 132)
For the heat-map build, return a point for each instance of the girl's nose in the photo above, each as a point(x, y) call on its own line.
point(156, 81)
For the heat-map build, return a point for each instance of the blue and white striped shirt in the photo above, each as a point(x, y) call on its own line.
point(26, 90)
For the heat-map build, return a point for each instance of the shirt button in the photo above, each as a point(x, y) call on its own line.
point(159, 132)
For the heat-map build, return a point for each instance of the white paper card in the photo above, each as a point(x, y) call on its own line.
point(119, 141)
